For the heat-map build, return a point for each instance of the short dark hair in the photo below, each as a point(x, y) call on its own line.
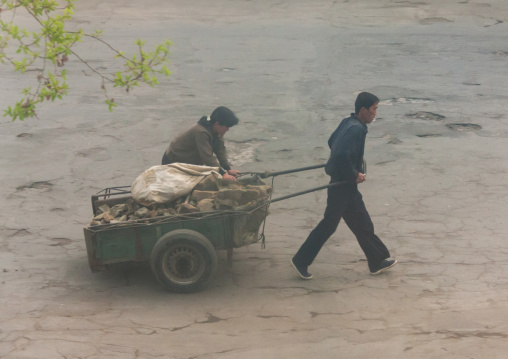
point(224, 116)
point(365, 99)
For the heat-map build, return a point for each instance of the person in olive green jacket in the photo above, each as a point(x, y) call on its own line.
point(203, 143)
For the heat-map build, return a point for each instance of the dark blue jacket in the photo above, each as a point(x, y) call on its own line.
point(347, 145)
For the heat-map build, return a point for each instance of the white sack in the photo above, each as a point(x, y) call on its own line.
point(166, 183)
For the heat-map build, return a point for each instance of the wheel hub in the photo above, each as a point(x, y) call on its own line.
point(183, 263)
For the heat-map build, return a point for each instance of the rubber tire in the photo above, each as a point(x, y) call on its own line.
point(183, 261)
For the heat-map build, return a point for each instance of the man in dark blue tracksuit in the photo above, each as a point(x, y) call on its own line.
point(347, 145)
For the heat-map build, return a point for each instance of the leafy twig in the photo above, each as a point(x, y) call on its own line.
point(53, 44)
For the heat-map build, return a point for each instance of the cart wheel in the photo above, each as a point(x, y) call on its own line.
point(183, 260)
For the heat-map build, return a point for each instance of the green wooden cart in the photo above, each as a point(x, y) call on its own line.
point(181, 249)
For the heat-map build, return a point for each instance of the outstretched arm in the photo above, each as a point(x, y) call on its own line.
point(204, 146)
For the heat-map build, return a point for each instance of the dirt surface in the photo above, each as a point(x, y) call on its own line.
point(290, 70)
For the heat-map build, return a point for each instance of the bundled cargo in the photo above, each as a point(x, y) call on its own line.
point(211, 194)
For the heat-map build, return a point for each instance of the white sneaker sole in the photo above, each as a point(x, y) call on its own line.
point(297, 271)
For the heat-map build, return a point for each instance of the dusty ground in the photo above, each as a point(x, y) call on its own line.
point(436, 190)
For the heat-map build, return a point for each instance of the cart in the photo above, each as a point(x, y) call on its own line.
point(181, 250)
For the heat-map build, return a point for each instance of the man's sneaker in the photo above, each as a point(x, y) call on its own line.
point(302, 271)
point(386, 264)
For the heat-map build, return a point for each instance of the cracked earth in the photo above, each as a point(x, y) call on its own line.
point(436, 191)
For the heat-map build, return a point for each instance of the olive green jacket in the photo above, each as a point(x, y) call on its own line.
point(197, 146)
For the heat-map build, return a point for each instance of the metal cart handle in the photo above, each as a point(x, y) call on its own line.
point(273, 174)
point(334, 184)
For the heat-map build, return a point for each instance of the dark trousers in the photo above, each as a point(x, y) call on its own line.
point(344, 202)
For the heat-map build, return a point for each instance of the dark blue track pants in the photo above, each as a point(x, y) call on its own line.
point(344, 202)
